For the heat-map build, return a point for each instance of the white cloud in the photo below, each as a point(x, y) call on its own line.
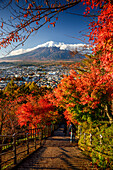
point(61, 45)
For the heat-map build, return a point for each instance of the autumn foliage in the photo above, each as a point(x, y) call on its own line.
point(25, 107)
point(84, 97)
point(35, 112)
point(87, 93)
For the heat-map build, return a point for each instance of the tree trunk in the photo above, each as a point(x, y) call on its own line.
point(112, 107)
point(107, 113)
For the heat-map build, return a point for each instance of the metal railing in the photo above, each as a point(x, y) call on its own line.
point(14, 148)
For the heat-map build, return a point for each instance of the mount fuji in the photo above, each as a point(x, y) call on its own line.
point(49, 51)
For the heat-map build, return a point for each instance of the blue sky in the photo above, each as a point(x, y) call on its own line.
point(67, 27)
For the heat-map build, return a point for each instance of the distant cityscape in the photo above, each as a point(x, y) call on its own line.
point(42, 75)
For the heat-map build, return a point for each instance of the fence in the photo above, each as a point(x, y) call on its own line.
point(17, 146)
point(98, 145)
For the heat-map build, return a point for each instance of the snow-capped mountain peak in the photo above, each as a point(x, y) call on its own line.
point(61, 45)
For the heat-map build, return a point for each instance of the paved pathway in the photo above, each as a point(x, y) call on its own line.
point(57, 154)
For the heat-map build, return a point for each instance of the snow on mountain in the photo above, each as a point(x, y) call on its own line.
point(61, 45)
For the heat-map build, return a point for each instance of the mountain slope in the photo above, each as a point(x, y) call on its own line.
point(44, 54)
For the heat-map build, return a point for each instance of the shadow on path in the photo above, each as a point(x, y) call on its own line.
point(57, 154)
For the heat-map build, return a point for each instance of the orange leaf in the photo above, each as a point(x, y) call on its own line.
point(31, 30)
point(46, 18)
point(25, 15)
point(2, 25)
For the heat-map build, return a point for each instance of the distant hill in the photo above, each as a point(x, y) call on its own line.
point(45, 54)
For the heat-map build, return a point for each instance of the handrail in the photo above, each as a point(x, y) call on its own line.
point(24, 142)
point(98, 145)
